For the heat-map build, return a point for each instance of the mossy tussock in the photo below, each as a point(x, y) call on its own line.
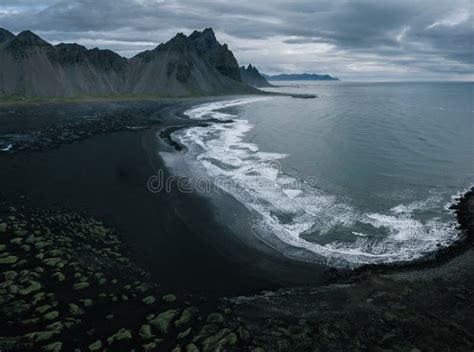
point(66, 283)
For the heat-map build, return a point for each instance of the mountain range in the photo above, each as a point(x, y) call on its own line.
point(300, 77)
point(184, 66)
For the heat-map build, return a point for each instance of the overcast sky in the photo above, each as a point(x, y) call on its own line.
point(354, 40)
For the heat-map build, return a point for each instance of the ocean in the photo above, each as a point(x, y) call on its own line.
point(364, 174)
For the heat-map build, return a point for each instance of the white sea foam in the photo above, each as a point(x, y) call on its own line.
point(360, 234)
point(297, 213)
point(7, 148)
point(455, 197)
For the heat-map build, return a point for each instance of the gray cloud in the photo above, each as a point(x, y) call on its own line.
point(399, 39)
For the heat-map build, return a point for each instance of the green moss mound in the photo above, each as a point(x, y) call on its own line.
point(68, 284)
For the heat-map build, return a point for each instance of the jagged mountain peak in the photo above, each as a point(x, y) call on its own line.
point(208, 31)
point(179, 41)
point(207, 34)
point(202, 43)
point(205, 40)
point(252, 76)
point(178, 37)
point(250, 68)
point(217, 54)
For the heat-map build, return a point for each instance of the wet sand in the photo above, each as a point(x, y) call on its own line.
point(172, 235)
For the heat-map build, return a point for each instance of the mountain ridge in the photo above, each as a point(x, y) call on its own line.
point(183, 66)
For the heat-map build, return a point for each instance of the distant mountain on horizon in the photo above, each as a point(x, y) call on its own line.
point(252, 77)
point(300, 77)
point(184, 66)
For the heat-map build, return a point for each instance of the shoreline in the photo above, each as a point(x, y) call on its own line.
point(21, 101)
point(463, 207)
point(433, 259)
point(464, 223)
point(172, 118)
point(104, 176)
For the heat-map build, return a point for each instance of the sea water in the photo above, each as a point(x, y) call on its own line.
point(364, 174)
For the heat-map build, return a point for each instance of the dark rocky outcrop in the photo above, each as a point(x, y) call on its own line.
point(218, 55)
point(186, 65)
point(252, 76)
point(70, 53)
point(105, 60)
point(193, 65)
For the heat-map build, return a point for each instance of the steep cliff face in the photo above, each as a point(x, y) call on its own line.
point(252, 77)
point(25, 68)
point(218, 55)
point(194, 65)
point(91, 72)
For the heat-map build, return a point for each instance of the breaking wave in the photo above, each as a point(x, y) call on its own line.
point(294, 215)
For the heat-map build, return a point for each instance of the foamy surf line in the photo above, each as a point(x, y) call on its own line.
point(289, 210)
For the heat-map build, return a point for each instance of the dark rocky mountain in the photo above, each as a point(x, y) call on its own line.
point(194, 65)
point(30, 66)
point(25, 44)
point(252, 77)
point(216, 54)
point(300, 77)
point(28, 38)
point(105, 60)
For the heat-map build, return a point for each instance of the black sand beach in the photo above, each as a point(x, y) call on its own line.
point(172, 235)
point(176, 239)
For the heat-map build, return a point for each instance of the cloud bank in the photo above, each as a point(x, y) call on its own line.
point(354, 40)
